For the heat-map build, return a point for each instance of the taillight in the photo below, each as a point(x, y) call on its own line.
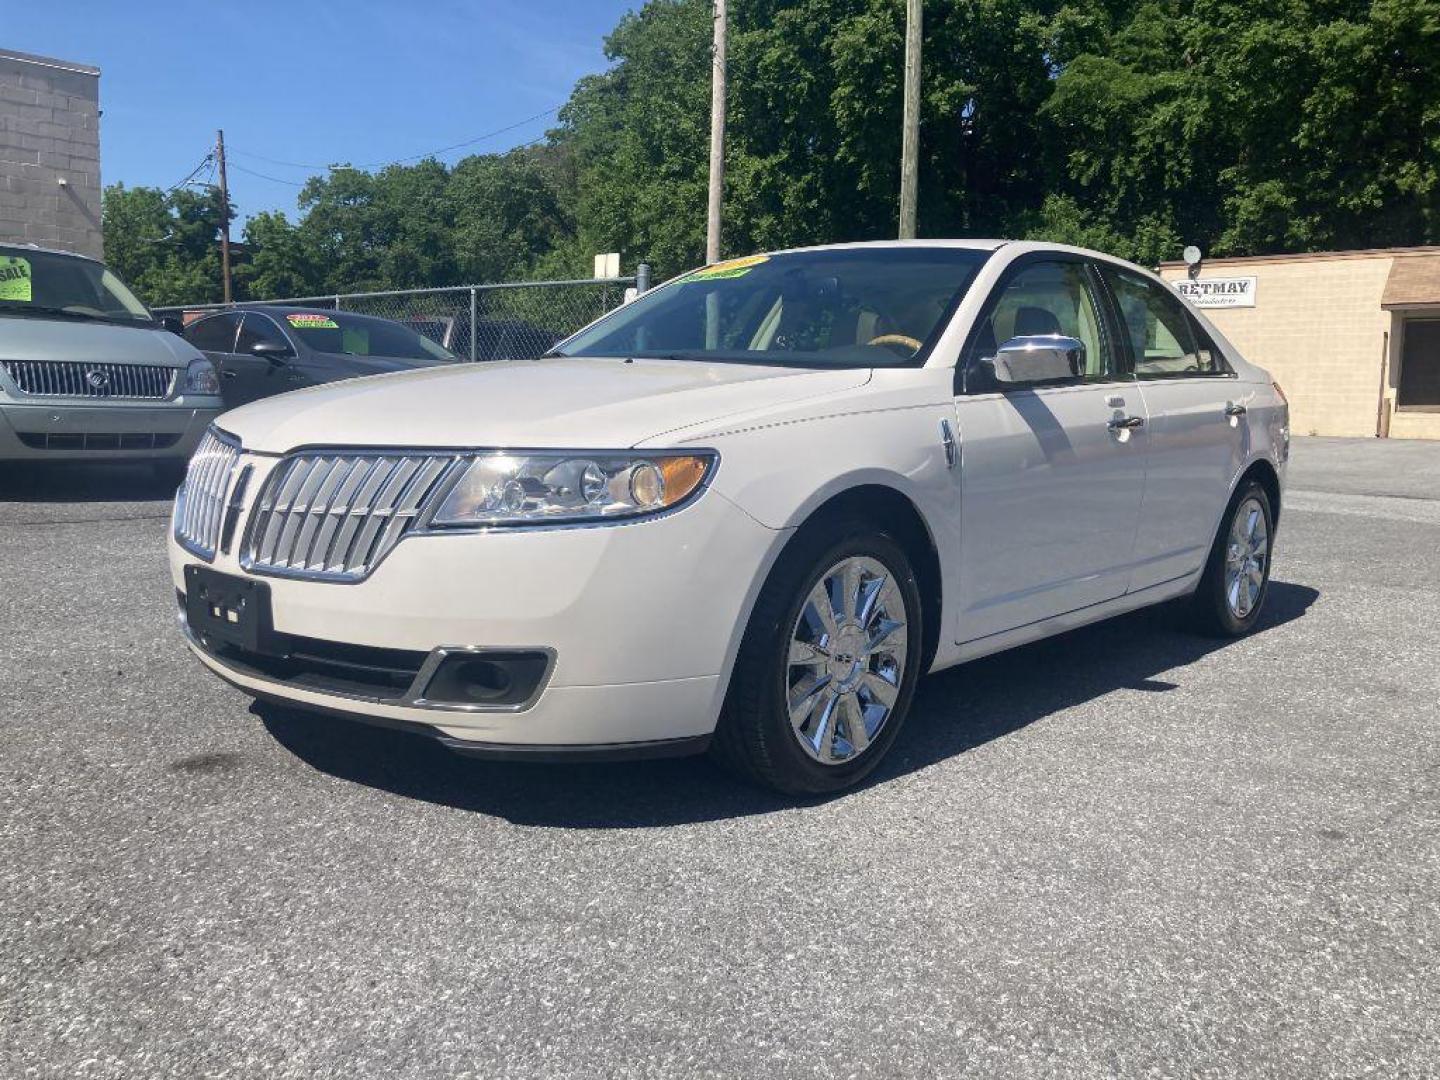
point(1283, 398)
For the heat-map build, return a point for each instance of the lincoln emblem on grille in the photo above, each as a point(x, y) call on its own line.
point(97, 378)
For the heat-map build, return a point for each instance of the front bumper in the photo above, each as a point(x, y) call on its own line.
point(644, 620)
point(119, 431)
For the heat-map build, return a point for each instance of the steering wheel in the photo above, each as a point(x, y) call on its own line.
point(913, 344)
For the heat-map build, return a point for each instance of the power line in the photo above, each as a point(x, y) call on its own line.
point(396, 161)
point(467, 142)
point(264, 176)
point(277, 161)
point(206, 160)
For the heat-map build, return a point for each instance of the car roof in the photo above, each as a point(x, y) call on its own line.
point(860, 245)
point(291, 309)
point(49, 251)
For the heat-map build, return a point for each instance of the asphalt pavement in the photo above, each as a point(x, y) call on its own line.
point(1127, 851)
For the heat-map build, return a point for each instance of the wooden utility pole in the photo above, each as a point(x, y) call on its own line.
point(910, 141)
point(717, 135)
point(224, 217)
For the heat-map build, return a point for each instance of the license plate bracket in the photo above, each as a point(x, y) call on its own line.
point(229, 609)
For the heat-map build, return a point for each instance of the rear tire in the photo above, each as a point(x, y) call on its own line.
point(1236, 580)
point(816, 700)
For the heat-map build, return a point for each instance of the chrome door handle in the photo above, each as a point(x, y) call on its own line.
point(1121, 423)
point(948, 441)
point(1234, 410)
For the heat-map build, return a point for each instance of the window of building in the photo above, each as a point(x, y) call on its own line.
point(1420, 365)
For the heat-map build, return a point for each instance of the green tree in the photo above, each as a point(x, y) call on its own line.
point(1249, 128)
point(165, 246)
point(278, 263)
point(512, 213)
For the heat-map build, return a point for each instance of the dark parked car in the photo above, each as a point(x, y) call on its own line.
point(262, 350)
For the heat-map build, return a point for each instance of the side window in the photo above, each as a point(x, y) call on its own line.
point(1163, 339)
point(258, 328)
point(1045, 299)
point(213, 334)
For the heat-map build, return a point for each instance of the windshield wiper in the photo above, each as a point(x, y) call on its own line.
point(64, 313)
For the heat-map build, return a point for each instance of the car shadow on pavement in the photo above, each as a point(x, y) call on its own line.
point(954, 711)
point(82, 482)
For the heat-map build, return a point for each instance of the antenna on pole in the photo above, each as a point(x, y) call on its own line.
point(224, 218)
point(910, 141)
point(717, 135)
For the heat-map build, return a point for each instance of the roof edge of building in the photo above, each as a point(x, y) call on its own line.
point(50, 62)
point(1308, 256)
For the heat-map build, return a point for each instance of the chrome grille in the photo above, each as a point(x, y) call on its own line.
point(200, 503)
point(66, 378)
point(335, 516)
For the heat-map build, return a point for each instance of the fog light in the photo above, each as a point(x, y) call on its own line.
point(487, 679)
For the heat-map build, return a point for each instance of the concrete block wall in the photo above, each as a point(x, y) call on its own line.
point(49, 132)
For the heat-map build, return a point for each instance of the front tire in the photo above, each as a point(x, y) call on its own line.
point(828, 665)
point(1236, 580)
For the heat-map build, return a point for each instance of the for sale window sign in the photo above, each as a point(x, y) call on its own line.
point(15, 278)
point(1218, 292)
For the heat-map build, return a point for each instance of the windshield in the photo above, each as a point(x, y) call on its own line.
point(356, 335)
point(45, 283)
point(853, 308)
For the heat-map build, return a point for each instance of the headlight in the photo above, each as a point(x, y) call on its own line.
point(566, 487)
point(200, 378)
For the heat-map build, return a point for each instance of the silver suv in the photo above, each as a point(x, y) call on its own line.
point(86, 373)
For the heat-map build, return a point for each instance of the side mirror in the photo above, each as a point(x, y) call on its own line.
point(1037, 359)
point(272, 351)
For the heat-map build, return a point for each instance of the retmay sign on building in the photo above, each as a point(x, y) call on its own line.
point(1218, 292)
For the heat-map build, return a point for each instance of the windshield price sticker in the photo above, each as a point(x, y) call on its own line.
point(312, 322)
point(14, 278)
point(732, 269)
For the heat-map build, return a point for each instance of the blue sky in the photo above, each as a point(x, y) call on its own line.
point(363, 81)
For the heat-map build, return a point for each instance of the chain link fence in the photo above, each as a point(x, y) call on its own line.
point(513, 321)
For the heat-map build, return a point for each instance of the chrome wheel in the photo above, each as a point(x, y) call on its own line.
point(1247, 551)
point(847, 660)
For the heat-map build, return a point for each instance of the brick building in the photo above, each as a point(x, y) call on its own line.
point(1353, 337)
point(49, 153)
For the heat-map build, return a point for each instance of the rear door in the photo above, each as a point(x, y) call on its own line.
point(1050, 473)
point(214, 336)
point(1197, 430)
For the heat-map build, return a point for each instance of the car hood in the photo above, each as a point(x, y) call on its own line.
point(381, 365)
point(31, 338)
point(562, 402)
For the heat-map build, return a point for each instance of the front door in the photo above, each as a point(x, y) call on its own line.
point(1051, 473)
point(1198, 432)
point(256, 376)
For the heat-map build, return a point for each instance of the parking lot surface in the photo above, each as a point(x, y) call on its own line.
point(1126, 851)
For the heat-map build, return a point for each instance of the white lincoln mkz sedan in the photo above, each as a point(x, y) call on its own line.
point(746, 511)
